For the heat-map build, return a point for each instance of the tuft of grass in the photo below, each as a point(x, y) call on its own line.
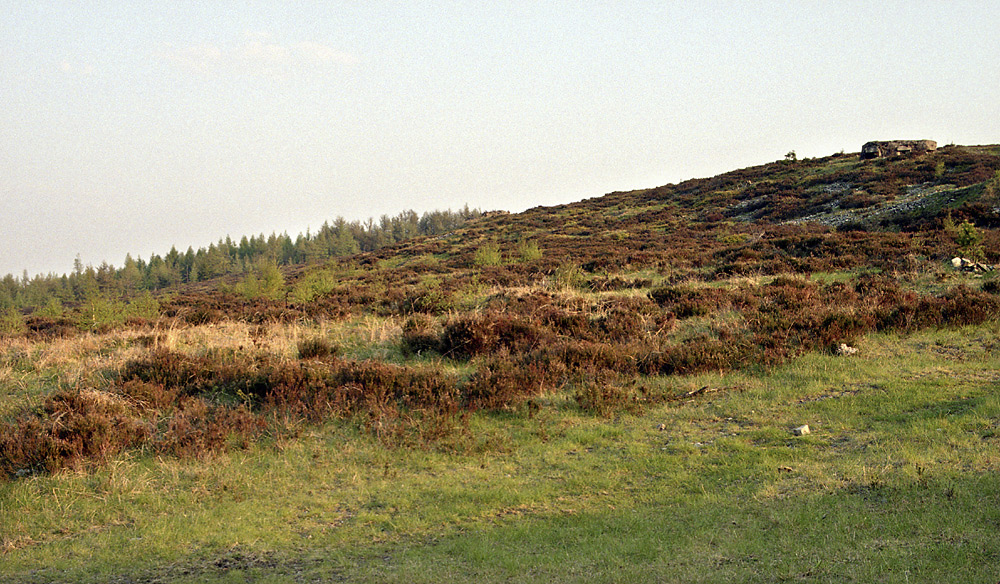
point(567, 276)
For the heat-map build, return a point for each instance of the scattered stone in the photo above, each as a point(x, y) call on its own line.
point(699, 391)
point(801, 430)
point(967, 265)
point(844, 349)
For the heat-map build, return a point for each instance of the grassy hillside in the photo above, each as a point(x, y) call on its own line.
point(598, 391)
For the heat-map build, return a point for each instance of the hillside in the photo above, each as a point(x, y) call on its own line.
point(315, 417)
point(798, 217)
point(783, 217)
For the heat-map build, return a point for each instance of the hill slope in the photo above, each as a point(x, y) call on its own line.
point(826, 214)
point(625, 371)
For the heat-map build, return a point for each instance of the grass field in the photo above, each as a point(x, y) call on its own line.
point(898, 482)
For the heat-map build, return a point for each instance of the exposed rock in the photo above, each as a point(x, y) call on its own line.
point(967, 265)
point(914, 200)
point(897, 148)
point(801, 430)
point(844, 349)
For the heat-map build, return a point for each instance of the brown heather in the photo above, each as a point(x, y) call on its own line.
point(406, 341)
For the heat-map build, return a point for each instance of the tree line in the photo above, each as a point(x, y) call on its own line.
point(225, 257)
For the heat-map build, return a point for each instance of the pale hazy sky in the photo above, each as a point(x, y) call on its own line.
point(133, 126)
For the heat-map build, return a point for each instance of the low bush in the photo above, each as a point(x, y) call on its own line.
point(11, 322)
point(477, 334)
point(686, 301)
point(609, 284)
point(421, 333)
point(568, 276)
point(74, 427)
point(316, 348)
point(504, 383)
point(199, 428)
point(528, 251)
point(607, 395)
point(488, 254)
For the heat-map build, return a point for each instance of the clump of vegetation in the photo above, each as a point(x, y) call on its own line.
point(528, 250)
point(101, 314)
point(316, 348)
point(12, 322)
point(74, 428)
point(567, 276)
point(421, 333)
point(607, 396)
point(970, 242)
point(262, 281)
point(488, 254)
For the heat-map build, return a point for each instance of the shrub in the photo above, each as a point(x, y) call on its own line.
point(528, 251)
point(686, 302)
point(12, 322)
point(53, 309)
point(316, 348)
point(421, 333)
point(507, 383)
point(74, 427)
point(144, 307)
point(101, 314)
point(198, 428)
point(429, 301)
point(149, 397)
point(264, 281)
point(970, 241)
point(488, 254)
point(314, 284)
point(965, 306)
point(468, 336)
point(606, 284)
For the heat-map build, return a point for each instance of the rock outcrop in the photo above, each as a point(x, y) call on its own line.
point(897, 148)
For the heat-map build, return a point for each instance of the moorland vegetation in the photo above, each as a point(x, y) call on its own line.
point(473, 339)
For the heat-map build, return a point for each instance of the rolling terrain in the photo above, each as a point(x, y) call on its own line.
point(600, 390)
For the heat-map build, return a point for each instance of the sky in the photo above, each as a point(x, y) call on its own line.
point(131, 127)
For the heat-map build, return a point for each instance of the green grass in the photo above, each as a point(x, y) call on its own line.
point(897, 483)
